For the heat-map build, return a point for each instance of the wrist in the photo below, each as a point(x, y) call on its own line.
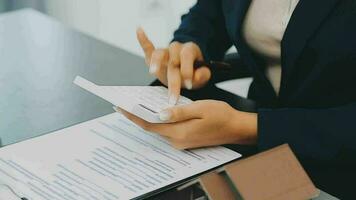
point(245, 127)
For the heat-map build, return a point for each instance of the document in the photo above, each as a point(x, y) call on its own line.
point(106, 158)
point(143, 101)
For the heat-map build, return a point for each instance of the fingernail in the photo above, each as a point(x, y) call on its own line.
point(116, 109)
point(153, 69)
point(188, 84)
point(172, 100)
point(165, 115)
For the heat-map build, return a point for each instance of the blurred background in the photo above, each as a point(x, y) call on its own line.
point(112, 21)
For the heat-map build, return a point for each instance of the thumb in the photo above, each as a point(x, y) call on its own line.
point(181, 113)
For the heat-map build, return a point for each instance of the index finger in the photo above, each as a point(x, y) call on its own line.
point(173, 73)
point(145, 43)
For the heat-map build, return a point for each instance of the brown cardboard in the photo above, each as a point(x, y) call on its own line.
point(216, 187)
point(272, 175)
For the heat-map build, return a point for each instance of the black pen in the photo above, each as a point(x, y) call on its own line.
point(214, 65)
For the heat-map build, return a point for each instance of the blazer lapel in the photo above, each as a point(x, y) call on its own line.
point(240, 9)
point(307, 17)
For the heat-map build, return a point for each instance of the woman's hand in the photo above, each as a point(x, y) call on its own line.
point(203, 123)
point(173, 66)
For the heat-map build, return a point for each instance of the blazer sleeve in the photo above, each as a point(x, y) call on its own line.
point(313, 134)
point(205, 26)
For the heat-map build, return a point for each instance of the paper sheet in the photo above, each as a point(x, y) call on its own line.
point(145, 102)
point(106, 158)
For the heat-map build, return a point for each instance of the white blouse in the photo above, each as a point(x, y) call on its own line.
point(263, 30)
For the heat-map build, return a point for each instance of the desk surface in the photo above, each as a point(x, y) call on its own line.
point(39, 58)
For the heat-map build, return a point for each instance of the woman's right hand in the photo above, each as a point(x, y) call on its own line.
point(173, 66)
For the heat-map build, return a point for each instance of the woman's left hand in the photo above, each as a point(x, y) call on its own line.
point(203, 123)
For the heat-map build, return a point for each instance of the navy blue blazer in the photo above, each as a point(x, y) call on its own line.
point(315, 111)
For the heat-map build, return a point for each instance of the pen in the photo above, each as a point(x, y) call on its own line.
point(214, 65)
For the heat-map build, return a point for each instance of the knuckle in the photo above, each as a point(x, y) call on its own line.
point(200, 102)
point(174, 62)
point(191, 46)
point(174, 44)
point(223, 104)
point(186, 51)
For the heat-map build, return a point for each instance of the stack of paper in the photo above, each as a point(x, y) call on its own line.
point(106, 158)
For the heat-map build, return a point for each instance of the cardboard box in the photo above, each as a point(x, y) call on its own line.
point(275, 174)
